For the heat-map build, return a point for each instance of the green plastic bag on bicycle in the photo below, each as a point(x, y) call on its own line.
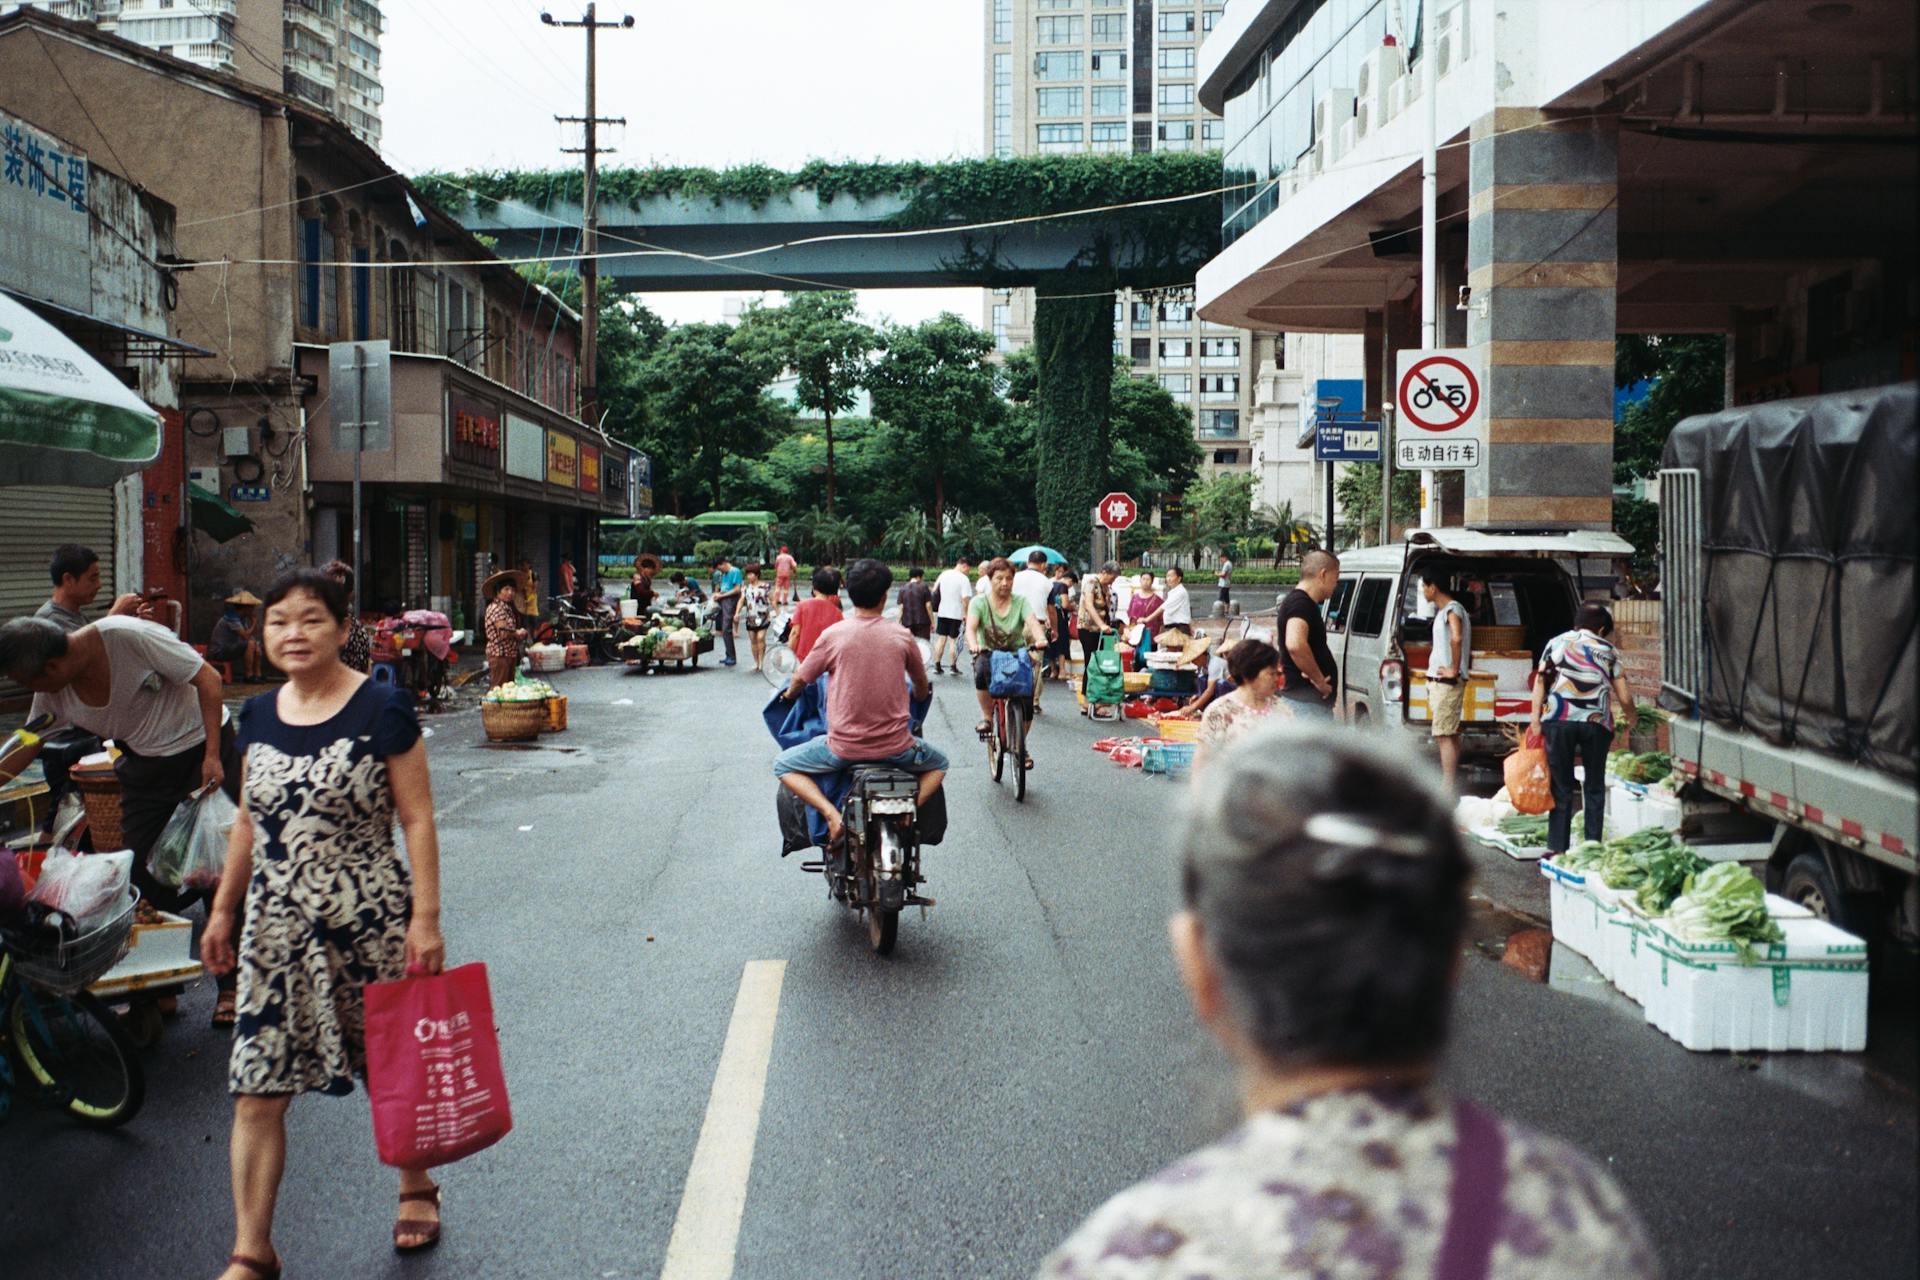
point(1010, 675)
point(1105, 685)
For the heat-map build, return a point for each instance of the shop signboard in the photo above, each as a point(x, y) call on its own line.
point(45, 226)
point(589, 469)
point(640, 487)
point(615, 471)
point(473, 431)
point(526, 449)
point(563, 460)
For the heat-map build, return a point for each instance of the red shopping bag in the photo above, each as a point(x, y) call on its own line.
point(433, 1068)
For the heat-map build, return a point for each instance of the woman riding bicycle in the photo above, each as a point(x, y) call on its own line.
point(999, 621)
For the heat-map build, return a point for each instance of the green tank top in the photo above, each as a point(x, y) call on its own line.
point(1007, 631)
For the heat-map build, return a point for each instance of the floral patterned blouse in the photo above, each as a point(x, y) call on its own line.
point(502, 622)
point(1354, 1186)
point(1232, 718)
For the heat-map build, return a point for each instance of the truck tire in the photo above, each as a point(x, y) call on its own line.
point(1810, 882)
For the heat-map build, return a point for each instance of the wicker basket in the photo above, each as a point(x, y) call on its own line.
point(513, 721)
point(556, 713)
point(100, 792)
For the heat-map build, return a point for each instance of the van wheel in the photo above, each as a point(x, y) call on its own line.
point(1810, 882)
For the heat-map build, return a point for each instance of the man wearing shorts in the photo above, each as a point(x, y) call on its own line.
point(783, 566)
point(1447, 669)
point(951, 591)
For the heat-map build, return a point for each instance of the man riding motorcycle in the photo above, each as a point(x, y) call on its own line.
point(870, 659)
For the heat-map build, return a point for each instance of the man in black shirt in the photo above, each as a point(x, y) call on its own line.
point(1305, 659)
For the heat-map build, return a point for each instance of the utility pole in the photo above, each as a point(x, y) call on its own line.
point(590, 220)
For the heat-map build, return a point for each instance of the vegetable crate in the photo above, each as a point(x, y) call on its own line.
point(1478, 706)
point(159, 957)
point(1807, 993)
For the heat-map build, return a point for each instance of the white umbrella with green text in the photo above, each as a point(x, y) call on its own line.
point(64, 419)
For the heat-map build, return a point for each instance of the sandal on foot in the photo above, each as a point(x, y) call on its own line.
point(980, 730)
point(225, 1007)
point(427, 1233)
point(265, 1270)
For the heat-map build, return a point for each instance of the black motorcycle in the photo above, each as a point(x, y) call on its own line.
point(876, 872)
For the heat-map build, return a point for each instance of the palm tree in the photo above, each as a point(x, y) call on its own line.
point(1286, 530)
point(1187, 538)
point(911, 535)
point(837, 535)
point(974, 535)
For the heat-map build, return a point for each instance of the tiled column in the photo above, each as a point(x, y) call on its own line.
point(1542, 261)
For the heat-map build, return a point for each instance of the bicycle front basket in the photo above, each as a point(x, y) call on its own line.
point(63, 967)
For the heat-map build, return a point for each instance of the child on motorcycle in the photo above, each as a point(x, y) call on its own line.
point(872, 660)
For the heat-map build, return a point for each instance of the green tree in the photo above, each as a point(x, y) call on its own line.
point(912, 535)
point(973, 535)
point(1357, 496)
point(1224, 503)
point(818, 336)
point(1155, 456)
point(1073, 338)
point(1685, 375)
point(1284, 529)
point(708, 399)
point(934, 385)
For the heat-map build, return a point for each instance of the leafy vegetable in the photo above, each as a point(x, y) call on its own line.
point(1726, 902)
point(1527, 828)
point(1585, 856)
point(1668, 865)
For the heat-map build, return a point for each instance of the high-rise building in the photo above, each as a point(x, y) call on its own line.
point(325, 52)
point(1118, 76)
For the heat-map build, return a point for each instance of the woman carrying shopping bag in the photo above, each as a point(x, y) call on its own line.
point(328, 761)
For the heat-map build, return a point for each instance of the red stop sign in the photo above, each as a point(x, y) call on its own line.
point(1118, 511)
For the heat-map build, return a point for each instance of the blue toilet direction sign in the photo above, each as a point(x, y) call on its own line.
point(1340, 434)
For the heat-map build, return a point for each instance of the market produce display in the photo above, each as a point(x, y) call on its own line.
point(1650, 766)
point(521, 691)
point(1526, 828)
point(1724, 903)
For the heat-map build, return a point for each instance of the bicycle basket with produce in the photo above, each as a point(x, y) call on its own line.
point(48, 960)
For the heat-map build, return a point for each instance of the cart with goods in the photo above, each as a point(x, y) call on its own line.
point(522, 711)
point(661, 641)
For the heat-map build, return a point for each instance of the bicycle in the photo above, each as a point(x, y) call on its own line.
point(68, 1043)
point(1007, 735)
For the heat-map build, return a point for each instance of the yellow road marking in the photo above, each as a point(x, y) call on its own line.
point(707, 1227)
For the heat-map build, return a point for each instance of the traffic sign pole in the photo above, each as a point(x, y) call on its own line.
point(1429, 217)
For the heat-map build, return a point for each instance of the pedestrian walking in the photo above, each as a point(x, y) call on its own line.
point(504, 633)
point(75, 571)
point(728, 583)
point(1447, 667)
point(756, 613)
point(1306, 663)
point(236, 635)
point(1579, 676)
point(1254, 669)
point(1060, 605)
point(1223, 578)
point(916, 605)
point(951, 592)
point(1032, 584)
point(357, 653)
point(783, 566)
point(1096, 614)
point(1325, 906)
point(329, 761)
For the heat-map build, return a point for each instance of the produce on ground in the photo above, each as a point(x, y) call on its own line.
point(1724, 903)
point(522, 691)
point(1649, 766)
point(1669, 865)
point(1524, 828)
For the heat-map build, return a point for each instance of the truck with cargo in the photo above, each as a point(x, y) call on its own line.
point(1788, 644)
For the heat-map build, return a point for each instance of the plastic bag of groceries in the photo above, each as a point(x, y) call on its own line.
point(191, 852)
point(86, 888)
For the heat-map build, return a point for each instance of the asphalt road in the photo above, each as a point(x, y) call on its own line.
point(951, 1111)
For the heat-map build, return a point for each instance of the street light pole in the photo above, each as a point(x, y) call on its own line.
point(1429, 217)
point(590, 214)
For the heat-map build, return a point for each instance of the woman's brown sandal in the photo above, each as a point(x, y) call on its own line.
point(226, 1005)
point(265, 1270)
point(423, 1234)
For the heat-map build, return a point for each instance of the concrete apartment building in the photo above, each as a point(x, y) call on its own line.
point(1119, 76)
point(326, 53)
point(1745, 168)
point(488, 462)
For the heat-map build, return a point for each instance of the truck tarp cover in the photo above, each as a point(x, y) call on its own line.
point(1808, 540)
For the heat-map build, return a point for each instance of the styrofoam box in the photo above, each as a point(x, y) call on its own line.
point(1628, 935)
point(1574, 915)
point(1807, 993)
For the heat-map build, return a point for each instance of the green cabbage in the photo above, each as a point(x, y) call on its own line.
point(1724, 903)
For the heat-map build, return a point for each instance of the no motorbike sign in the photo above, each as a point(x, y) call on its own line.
point(1439, 397)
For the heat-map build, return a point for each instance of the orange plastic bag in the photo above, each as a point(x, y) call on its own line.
point(1529, 784)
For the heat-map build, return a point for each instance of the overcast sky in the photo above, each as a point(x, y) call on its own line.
point(473, 84)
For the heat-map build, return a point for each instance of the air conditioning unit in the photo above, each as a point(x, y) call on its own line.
point(1400, 94)
point(1379, 73)
point(1331, 111)
point(1315, 162)
point(1450, 41)
point(1349, 136)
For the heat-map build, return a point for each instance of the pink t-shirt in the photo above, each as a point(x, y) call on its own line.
point(867, 698)
point(783, 568)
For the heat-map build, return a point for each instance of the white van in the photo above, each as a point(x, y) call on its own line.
point(1519, 589)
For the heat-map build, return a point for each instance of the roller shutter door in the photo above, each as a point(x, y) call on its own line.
point(33, 521)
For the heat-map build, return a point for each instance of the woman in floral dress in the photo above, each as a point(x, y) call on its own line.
point(328, 761)
point(1326, 900)
point(1254, 668)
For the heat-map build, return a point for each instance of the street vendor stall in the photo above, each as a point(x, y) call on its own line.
point(662, 639)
